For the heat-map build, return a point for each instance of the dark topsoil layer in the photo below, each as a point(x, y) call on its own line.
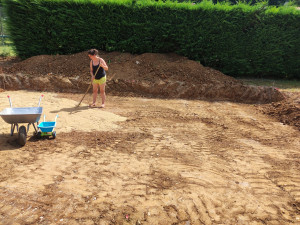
point(147, 75)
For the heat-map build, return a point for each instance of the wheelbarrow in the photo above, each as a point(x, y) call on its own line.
point(46, 128)
point(15, 116)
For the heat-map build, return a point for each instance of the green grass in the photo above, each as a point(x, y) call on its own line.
point(284, 85)
point(7, 50)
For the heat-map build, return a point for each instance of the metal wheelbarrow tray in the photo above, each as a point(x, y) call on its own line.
point(14, 116)
point(21, 115)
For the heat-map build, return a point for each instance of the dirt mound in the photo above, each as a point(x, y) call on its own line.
point(147, 67)
point(286, 111)
point(149, 74)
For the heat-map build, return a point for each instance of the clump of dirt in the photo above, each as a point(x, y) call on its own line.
point(286, 111)
point(149, 75)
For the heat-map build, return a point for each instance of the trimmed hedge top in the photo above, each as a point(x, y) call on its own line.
point(238, 40)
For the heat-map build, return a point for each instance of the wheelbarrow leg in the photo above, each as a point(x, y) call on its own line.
point(34, 128)
point(12, 129)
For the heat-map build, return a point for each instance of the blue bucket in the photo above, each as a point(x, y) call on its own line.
point(47, 126)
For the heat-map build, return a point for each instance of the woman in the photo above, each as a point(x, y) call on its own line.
point(97, 69)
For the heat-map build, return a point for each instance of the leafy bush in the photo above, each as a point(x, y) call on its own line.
point(238, 40)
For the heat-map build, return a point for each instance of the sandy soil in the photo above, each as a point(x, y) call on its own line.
point(150, 161)
point(176, 144)
point(84, 119)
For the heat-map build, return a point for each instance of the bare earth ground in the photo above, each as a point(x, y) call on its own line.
point(147, 160)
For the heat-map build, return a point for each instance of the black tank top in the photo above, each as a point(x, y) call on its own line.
point(101, 72)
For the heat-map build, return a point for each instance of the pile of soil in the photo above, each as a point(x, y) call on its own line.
point(148, 75)
point(286, 111)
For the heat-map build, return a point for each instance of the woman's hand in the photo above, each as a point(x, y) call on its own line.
point(93, 77)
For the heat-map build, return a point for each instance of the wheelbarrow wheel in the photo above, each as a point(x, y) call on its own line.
point(54, 134)
point(22, 135)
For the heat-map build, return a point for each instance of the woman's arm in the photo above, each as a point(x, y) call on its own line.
point(103, 64)
point(91, 70)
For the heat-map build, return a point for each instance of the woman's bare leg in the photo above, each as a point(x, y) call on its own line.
point(102, 93)
point(95, 92)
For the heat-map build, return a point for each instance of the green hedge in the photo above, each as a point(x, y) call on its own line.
point(237, 40)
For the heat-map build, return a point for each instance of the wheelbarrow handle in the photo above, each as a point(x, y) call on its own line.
point(54, 120)
point(56, 117)
point(9, 101)
point(40, 100)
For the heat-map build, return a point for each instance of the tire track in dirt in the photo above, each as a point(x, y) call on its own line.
point(173, 161)
point(252, 178)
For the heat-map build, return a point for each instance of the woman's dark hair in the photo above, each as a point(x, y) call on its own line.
point(93, 52)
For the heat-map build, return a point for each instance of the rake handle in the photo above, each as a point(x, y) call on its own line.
point(85, 94)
